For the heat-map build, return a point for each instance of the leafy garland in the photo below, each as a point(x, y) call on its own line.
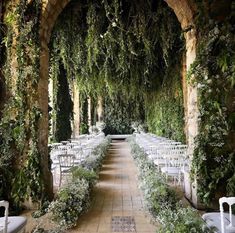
point(162, 201)
point(20, 158)
point(214, 74)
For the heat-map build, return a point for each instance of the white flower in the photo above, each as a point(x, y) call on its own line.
point(114, 24)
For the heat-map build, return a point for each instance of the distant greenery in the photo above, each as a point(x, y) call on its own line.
point(120, 110)
point(165, 107)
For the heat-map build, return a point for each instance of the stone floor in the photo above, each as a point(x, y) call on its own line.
point(117, 204)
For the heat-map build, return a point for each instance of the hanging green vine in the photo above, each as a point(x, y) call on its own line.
point(214, 75)
point(20, 158)
point(120, 47)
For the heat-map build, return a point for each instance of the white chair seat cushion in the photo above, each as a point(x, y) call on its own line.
point(15, 224)
point(213, 220)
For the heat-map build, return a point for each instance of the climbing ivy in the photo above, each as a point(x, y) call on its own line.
point(165, 108)
point(20, 157)
point(213, 73)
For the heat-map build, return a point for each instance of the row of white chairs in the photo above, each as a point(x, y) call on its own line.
point(170, 157)
point(66, 155)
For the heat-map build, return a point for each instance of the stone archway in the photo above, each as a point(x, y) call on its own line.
point(184, 10)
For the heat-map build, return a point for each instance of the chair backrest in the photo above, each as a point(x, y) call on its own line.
point(3, 227)
point(66, 160)
point(230, 201)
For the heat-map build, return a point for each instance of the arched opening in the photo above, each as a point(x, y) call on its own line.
point(184, 13)
point(208, 102)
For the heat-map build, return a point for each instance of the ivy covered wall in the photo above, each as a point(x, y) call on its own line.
point(212, 75)
point(165, 107)
point(21, 176)
point(2, 58)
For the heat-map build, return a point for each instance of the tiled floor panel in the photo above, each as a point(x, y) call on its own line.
point(123, 224)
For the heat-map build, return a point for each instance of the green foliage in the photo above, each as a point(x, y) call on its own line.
point(81, 173)
point(120, 110)
point(19, 123)
point(122, 50)
point(165, 108)
point(162, 200)
point(83, 127)
point(70, 202)
point(182, 220)
point(213, 73)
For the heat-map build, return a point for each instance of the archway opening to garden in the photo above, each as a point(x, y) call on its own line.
point(126, 57)
point(74, 64)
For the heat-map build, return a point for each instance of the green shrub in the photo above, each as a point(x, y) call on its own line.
point(71, 201)
point(182, 220)
point(82, 173)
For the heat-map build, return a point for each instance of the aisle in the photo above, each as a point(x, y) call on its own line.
point(117, 203)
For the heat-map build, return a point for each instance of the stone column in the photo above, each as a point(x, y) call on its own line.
point(192, 107)
point(89, 111)
point(76, 110)
point(43, 122)
point(100, 109)
point(192, 115)
point(185, 93)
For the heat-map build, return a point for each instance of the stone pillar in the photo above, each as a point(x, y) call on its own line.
point(185, 93)
point(76, 110)
point(192, 115)
point(89, 111)
point(191, 98)
point(100, 109)
point(43, 122)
